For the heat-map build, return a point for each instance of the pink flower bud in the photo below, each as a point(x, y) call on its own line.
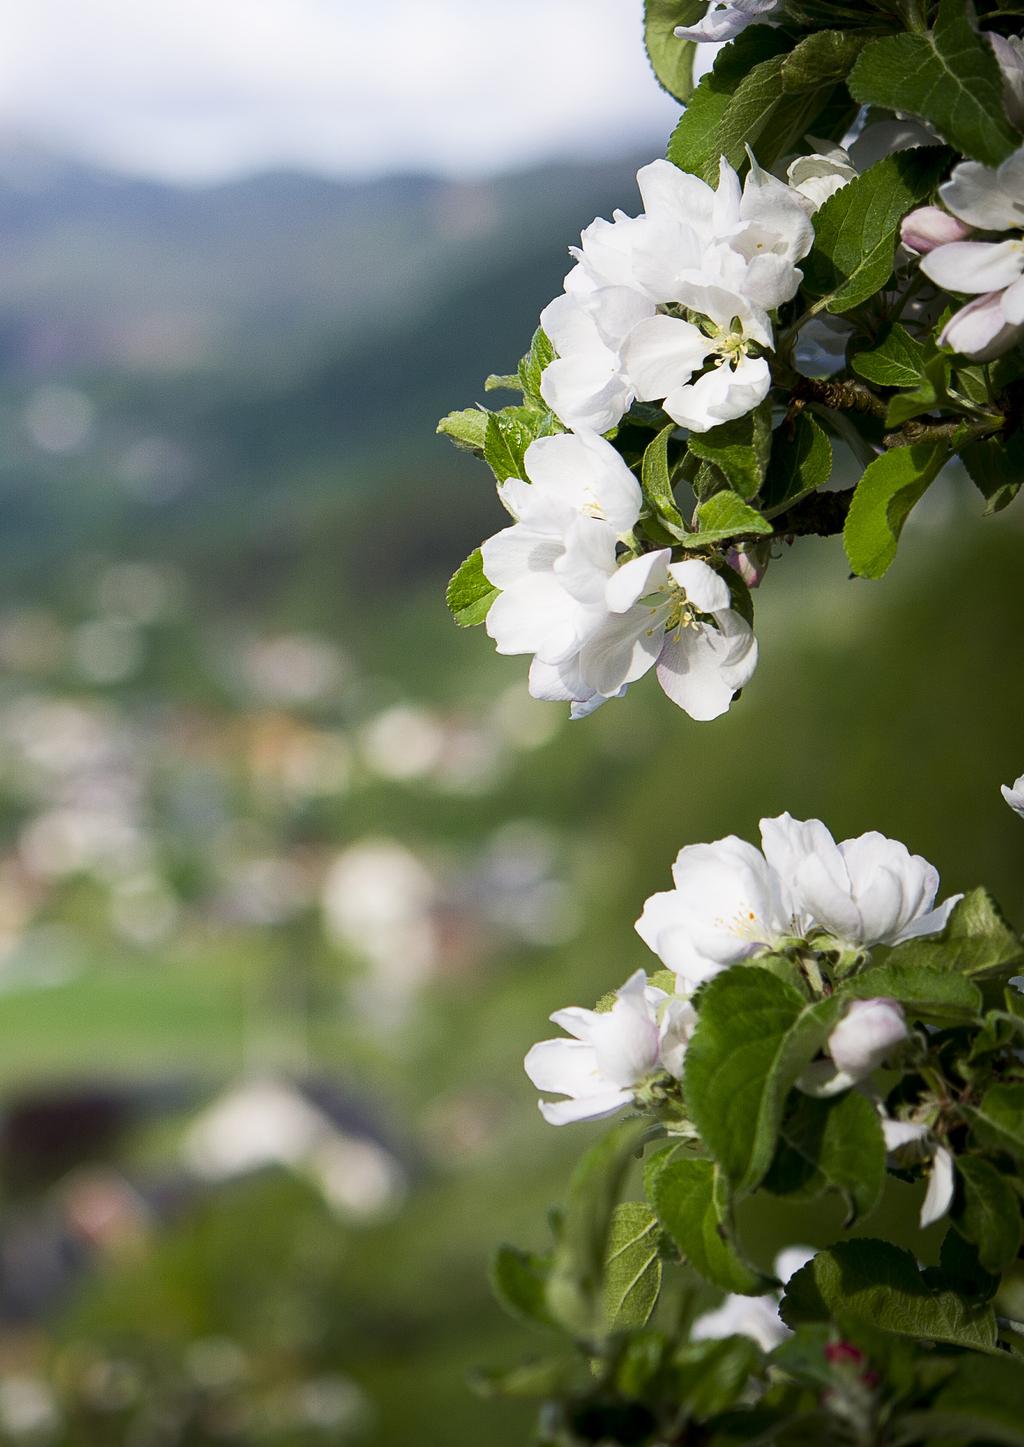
point(930, 226)
point(750, 560)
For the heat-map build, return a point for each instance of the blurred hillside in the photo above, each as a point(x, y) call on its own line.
point(291, 872)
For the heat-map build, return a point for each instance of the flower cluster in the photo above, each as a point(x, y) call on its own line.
point(987, 200)
point(673, 305)
point(731, 902)
point(595, 614)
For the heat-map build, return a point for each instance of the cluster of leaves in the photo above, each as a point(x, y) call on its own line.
point(901, 404)
point(881, 1351)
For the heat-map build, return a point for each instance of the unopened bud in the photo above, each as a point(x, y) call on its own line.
point(930, 226)
point(865, 1035)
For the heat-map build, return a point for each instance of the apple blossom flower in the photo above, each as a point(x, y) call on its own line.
point(989, 199)
point(726, 905)
point(582, 496)
point(611, 1053)
point(725, 19)
point(867, 1033)
point(726, 255)
point(908, 1142)
point(1014, 795)
point(821, 174)
point(865, 891)
point(754, 1316)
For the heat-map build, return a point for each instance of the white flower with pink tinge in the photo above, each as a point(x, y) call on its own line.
point(611, 1053)
point(980, 198)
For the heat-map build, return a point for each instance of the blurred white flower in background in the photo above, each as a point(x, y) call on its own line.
point(1014, 795)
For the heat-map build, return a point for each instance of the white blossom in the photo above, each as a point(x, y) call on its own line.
point(865, 891)
point(1014, 795)
point(725, 19)
point(731, 900)
point(754, 1316)
point(726, 256)
point(865, 1036)
point(822, 173)
point(910, 1141)
point(726, 905)
point(1010, 55)
point(611, 1052)
point(988, 199)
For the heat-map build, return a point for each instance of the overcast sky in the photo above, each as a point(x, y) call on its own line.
point(200, 89)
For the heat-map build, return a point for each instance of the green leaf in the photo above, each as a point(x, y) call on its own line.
point(469, 594)
point(948, 76)
point(857, 229)
point(739, 449)
point(575, 1287)
point(549, 1377)
point(709, 1377)
point(689, 1198)
point(833, 1144)
point(998, 1122)
point(975, 941)
point(996, 467)
point(896, 360)
point(466, 429)
point(980, 1403)
point(879, 1285)
point(987, 1212)
point(531, 368)
point(885, 495)
point(671, 59)
point(519, 1280)
point(800, 463)
point(822, 59)
point(505, 442)
point(723, 516)
point(755, 1034)
point(940, 997)
point(695, 143)
point(632, 1272)
point(926, 397)
point(656, 481)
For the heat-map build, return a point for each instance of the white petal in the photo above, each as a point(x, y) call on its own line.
point(939, 1195)
point(590, 1107)
point(586, 473)
point(622, 649)
point(587, 561)
point(689, 671)
point(570, 328)
point(975, 194)
point(516, 552)
point(636, 579)
point(534, 617)
point(564, 1067)
point(770, 202)
point(616, 310)
point(723, 303)
point(586, 391)
point(975, 266)
point(704, 588)
point(771, 280)
point(1013, 302)
point(1014, 796)
point(662, 353)
point(980, 330)
point(867, 1033)
point(667, 189)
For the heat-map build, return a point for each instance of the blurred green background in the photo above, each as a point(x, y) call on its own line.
point(291, 872)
